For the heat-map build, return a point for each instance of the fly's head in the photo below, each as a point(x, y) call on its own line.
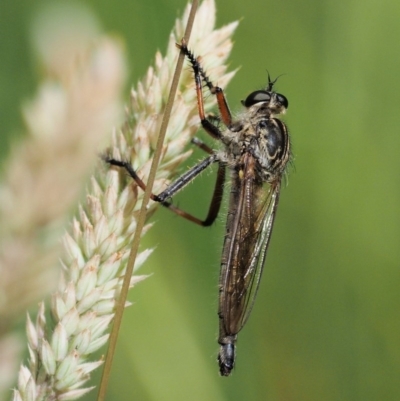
point(266, 101)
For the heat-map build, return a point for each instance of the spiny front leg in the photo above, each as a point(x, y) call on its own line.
point(199, 74)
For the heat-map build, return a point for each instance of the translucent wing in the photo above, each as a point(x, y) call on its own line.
point(249, 228)
point(256, 264)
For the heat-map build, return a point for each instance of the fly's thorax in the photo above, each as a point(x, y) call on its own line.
point(271, 147)
point(239, 136)
point(266, 138)
point(234, 142)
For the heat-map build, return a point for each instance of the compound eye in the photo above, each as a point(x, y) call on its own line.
point(256, 97)
point(282, 100)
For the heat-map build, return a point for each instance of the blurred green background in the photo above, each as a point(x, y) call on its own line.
point(326, 324)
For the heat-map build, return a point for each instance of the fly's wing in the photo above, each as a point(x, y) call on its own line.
point(255, 265)
point(245, 251)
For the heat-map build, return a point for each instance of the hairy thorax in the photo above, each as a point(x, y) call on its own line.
point(261, 135)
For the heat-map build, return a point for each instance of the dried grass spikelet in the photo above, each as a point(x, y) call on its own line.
point(96, 248)
point(75, 109)
point(46, 170)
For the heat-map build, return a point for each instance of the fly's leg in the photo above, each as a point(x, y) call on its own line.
point(181, 182)
point(199, 75)
point(200, 144)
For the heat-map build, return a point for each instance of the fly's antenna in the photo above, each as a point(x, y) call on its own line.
point(271, 83)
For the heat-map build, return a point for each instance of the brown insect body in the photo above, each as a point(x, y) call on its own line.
point(257, 152)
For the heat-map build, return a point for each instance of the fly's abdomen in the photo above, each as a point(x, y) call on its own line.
point(226, 358)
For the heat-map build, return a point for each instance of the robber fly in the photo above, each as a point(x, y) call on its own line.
point(256, 151)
